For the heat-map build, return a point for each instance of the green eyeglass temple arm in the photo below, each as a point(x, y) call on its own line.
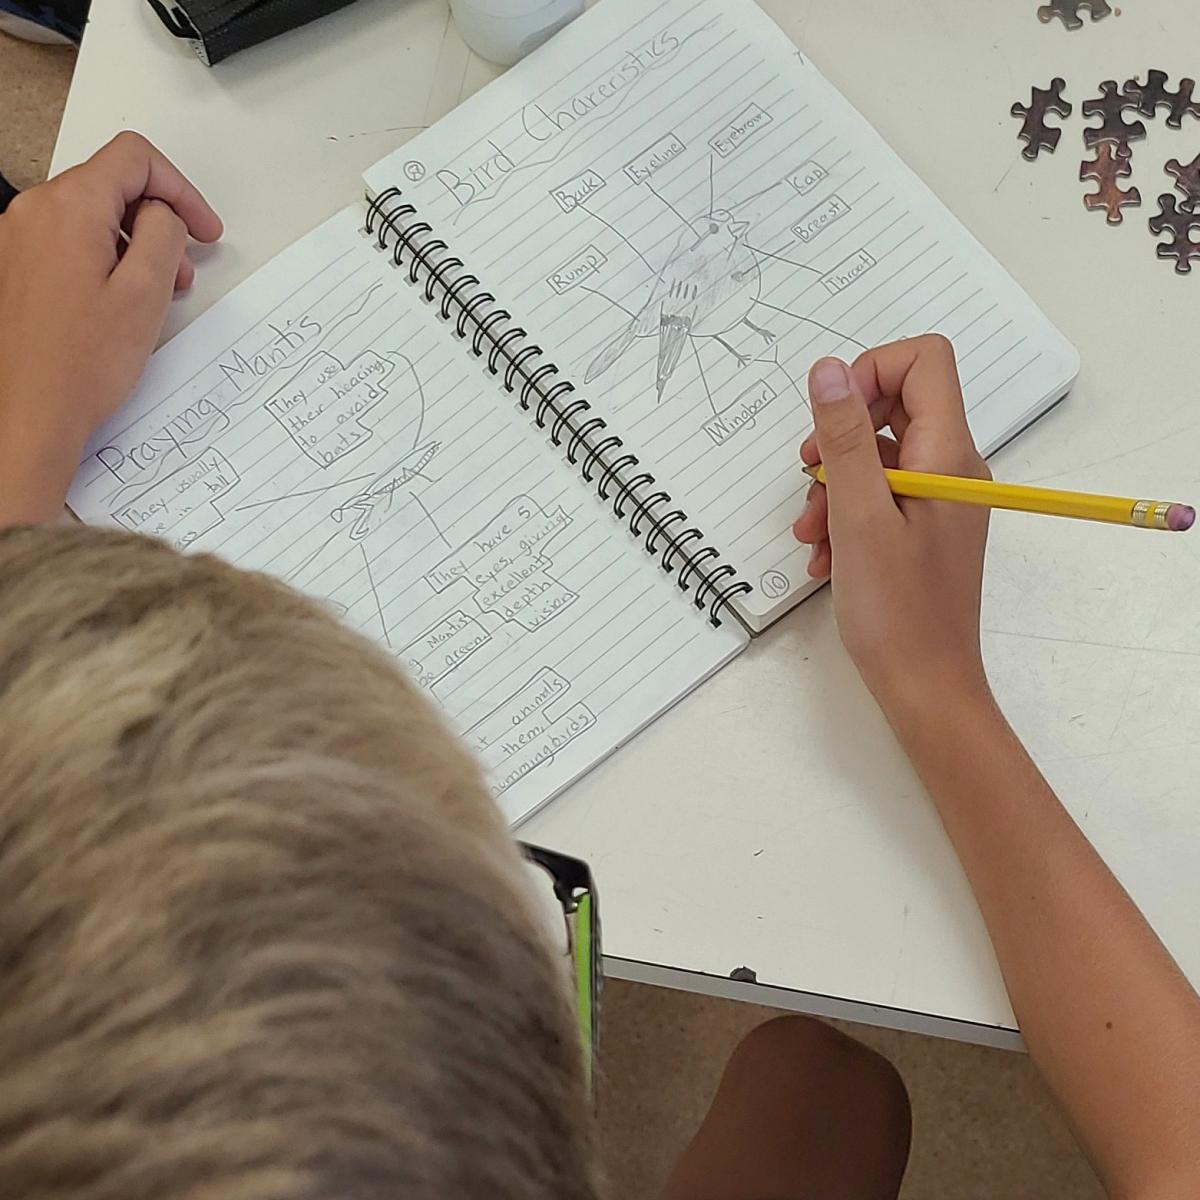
point(577, 894)
point(585, 981)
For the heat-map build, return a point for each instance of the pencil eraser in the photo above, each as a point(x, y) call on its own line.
point(1180, 518)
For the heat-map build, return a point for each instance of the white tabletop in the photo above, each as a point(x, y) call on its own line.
point(770, 822)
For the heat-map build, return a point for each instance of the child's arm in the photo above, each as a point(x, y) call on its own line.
point(81, 310)
point(1108, 1017)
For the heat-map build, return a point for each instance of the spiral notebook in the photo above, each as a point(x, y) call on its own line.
point(529, 418)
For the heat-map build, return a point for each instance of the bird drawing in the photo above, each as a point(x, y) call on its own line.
point(706, 288)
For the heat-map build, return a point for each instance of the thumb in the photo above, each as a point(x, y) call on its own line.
point(858, 491)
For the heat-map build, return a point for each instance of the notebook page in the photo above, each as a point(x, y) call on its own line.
point(318, 424)
point(676, 203)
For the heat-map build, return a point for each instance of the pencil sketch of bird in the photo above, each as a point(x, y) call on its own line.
point(706, 288)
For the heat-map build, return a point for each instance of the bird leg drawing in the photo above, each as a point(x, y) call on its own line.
point(744, 360)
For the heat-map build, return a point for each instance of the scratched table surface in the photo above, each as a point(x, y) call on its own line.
point(770, 822)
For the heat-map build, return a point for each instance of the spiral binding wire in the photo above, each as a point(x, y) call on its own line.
point(590, 444)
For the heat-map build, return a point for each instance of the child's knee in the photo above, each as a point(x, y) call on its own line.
point(816, 1061)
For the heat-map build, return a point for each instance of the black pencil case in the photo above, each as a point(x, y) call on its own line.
point(219, 28)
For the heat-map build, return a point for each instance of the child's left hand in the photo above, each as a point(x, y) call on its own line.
point(81, 310)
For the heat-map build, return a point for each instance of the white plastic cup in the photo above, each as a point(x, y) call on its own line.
point(504, 31)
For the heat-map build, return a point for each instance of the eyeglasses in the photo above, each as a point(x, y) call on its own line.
point(574, 894)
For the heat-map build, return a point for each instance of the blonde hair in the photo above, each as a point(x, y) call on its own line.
point(262, 932)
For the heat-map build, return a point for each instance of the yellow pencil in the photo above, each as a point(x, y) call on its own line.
point(1142, 514)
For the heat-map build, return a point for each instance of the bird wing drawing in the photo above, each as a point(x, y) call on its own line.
point(677, 316)
point(647, 319)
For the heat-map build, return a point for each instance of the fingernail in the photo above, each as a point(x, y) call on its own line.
point(830, 381)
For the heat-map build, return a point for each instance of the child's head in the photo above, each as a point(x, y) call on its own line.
point(262, 933)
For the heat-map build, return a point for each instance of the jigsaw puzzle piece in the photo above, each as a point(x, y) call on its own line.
point(1187, 181)
point(1035, 133)
point(1110, 164)
point(1154, 94)
point(1111, 105)
point(1181, 224)
point(1067, 11)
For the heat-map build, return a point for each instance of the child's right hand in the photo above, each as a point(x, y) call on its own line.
point(907, 574)
point(1123, 1056)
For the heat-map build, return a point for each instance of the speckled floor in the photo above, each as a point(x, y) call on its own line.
point(984, 1127)
point(33, 89)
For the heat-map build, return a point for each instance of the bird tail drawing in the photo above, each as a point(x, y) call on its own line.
point(611, 352)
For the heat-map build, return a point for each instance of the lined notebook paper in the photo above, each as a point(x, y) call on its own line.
point(530, 418)
point(317, 426)
point(681, 172)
